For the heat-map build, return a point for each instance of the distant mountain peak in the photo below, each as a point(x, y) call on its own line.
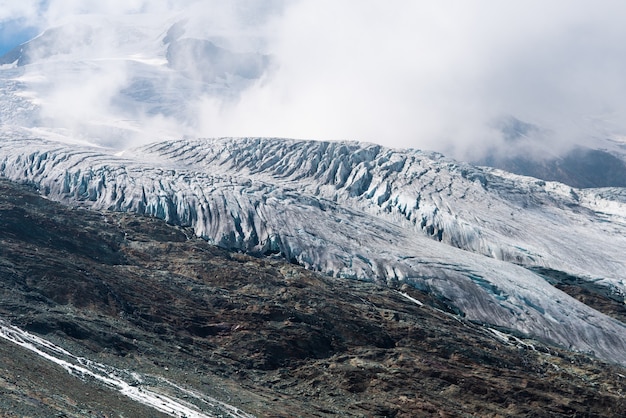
point(579, 167)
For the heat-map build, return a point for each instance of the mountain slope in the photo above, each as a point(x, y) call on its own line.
point(461, 233)
point(189, 320)
point(580, 168)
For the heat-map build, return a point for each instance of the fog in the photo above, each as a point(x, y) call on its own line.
point(448, 76)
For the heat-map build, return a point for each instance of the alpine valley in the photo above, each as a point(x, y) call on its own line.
point(276, 277)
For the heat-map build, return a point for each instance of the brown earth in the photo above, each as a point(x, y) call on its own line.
point(266, 336)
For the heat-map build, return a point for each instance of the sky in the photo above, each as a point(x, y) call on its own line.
point(13, 34)
point(447, 75)
point(17, 23)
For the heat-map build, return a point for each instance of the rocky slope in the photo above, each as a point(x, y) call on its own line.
point(580, 168)
point(265, 337)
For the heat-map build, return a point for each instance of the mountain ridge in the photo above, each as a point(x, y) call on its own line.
point(281, 277)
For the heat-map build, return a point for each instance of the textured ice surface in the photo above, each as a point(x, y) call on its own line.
point(348, 209)
point(367, 212)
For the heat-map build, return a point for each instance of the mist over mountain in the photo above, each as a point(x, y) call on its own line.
point(412, 76)
point(580, 167)
point(527, 153)
point(116, 82)
point(155, 256)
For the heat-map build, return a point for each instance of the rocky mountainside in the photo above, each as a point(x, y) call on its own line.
point(527, 150)
point(110, 81)
point(580, 168)
point(225, 334)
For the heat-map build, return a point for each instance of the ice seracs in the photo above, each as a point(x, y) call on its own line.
point(367, 212)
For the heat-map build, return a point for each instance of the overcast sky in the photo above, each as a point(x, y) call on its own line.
point(406, 73)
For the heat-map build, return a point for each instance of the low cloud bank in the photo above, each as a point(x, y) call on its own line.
point(450, 76)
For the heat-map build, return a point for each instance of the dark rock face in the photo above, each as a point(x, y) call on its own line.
point(600, 298)
point(266, 336)
point(581, 168)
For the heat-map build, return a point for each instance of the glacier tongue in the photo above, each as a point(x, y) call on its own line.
point(371, 213)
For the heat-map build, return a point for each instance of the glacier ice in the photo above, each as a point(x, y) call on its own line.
point(367, 212)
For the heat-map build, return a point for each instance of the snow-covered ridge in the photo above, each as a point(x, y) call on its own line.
point(364, 211)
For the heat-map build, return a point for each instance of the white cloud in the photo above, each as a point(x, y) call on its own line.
point(436, 75)
point(431, 75)
point(27, 10)
point(400, 72)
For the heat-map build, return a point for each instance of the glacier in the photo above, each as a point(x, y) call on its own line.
point(468, 235)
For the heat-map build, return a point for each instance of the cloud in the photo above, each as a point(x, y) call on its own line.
point(18, 22)
point(438, 76)
point(27, 10)
point(402, 73)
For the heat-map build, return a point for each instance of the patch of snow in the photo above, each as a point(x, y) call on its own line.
point(511, 339)
point(152, 61)
point(10, 66)
point(82, 368)
point(412, 299)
